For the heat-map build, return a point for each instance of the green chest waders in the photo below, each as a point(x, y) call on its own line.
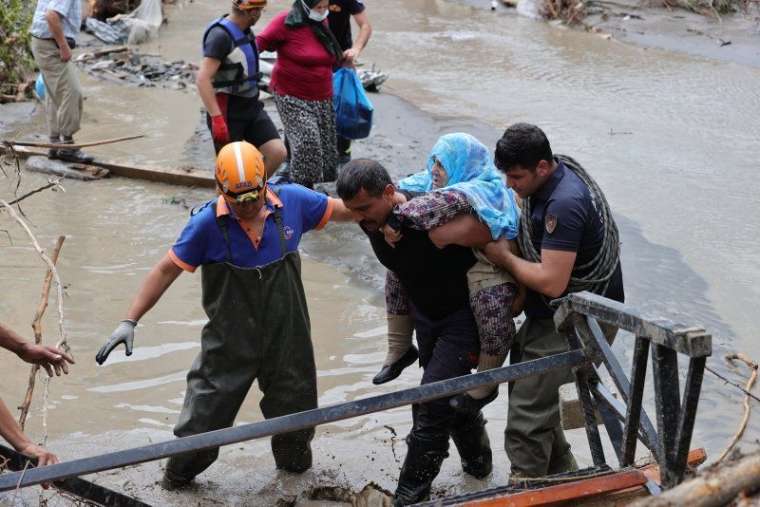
point(258, 328)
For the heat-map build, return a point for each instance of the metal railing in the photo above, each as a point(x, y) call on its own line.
point(578, 317)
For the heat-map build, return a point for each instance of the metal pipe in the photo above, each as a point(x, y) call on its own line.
point(290, 422)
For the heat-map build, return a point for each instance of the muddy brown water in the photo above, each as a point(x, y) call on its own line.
point(671, 138)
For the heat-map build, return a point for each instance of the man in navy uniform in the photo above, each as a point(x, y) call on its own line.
point(568, 231)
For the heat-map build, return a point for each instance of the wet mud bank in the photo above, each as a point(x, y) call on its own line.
point(733, 37)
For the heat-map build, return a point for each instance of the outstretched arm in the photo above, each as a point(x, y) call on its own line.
point(339, 211)
point(158, 280)
point(11, 432)
point(46, 356)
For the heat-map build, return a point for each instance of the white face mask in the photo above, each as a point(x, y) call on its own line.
point(313, 15)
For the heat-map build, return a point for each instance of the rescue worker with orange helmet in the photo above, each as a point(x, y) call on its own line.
point(246, 242)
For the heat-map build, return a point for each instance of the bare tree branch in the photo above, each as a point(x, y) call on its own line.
point(56, 184)
point(37, 327)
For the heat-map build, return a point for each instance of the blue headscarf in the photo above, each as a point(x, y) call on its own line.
point(471, 171)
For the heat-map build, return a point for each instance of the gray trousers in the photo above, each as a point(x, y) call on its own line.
point(63, 94)
point(534, 440)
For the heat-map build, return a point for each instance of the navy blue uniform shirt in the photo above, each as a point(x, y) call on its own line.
point(564, 217)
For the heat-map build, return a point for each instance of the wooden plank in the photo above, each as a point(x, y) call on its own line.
point(189, 176)
point(69, 170)
point(501, 495)
point(695, 458)
point(575, 490)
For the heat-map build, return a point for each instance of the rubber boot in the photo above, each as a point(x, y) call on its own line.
point(422, 464)
point(471, 440)
point(292, 451)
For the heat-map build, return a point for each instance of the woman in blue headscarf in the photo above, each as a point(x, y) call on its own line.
point(461, 179)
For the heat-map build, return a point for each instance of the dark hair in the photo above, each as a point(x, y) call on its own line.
point(522, 144)
point(362, 173)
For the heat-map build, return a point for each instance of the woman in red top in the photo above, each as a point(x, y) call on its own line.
point(302, 84)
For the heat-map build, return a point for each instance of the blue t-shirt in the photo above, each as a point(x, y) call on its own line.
point(71, 17)
point(202, 242)
point(564, 217)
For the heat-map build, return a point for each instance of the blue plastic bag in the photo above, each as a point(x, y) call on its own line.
point(353, 110)
point(39, 87)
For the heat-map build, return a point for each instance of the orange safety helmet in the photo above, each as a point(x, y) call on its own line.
point(245, 5)
point(240, 171)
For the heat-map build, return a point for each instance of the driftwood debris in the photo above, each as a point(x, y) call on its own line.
point(714, 487)
point(60, 169)
point(37, 327)
point(185, 176)
point(23, 93)
point(62, 342)
point(90, 144)
point(752, 365)
point(131, 67)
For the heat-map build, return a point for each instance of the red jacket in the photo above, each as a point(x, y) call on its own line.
point(304, 68)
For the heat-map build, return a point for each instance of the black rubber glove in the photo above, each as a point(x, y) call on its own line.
point(124, 333)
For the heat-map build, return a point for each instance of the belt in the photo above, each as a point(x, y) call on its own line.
point(72, 42)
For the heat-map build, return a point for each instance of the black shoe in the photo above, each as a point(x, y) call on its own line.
point(390, 372)
point(74, 155)
point(466, 403)
point(53, 153)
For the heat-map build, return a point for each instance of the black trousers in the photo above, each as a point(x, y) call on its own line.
point(449, 348)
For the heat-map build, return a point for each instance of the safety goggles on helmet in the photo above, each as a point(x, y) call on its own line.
point(246, 196)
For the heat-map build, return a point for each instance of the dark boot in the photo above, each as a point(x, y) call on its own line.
point(72, 154)
point(422, 464)
point(465, 403)
point(471, 440)
point(292, 451)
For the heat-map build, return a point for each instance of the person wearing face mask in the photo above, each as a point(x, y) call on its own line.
point(227, 84)
point(307, 52)
point(246, 243)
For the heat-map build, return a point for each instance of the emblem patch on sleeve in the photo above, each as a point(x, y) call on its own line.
point(551, 223)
